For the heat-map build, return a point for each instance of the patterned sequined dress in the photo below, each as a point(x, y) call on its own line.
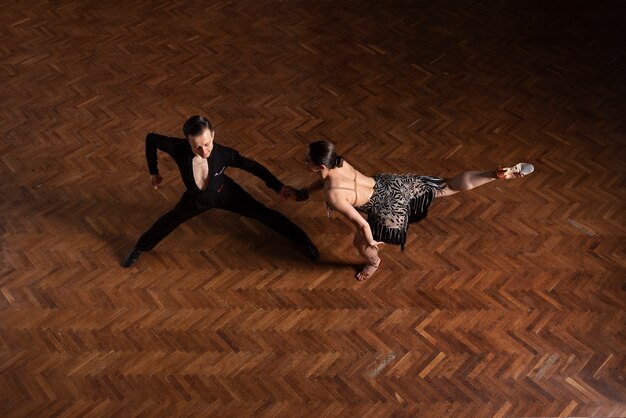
point(397, 201)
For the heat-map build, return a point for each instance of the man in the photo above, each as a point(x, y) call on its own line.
point(202, 163)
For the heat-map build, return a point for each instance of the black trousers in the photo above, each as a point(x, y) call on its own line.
point(232, 198)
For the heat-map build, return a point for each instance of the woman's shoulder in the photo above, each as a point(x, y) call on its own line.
point(351, 170)
point(336, 198)
point(347, 166)
point(347, 170)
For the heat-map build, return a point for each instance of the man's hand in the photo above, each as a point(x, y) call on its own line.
point(287, 192)
point(155, 181)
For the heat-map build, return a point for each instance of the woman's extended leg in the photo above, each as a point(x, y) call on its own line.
point(471, 179)
point(467, 181)
point(370, 254)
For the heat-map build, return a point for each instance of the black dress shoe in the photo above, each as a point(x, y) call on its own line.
point(311, 251)
point(131, 258)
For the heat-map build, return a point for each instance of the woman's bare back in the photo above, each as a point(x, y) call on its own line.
point(348, 183)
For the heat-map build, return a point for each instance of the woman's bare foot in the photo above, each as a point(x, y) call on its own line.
point(368, 270)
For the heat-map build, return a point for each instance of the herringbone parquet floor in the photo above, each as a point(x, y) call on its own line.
point(508, 301)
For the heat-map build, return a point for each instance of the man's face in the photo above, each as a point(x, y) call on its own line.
point(202, 144)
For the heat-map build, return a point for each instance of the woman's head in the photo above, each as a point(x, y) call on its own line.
point(323, 153)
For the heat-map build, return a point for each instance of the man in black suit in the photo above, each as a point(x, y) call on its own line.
point(202, 163)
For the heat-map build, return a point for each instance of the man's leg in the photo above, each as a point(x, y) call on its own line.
point(183, 211)
point(237, 200)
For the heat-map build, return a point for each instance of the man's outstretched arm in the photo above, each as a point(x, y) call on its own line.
point(156, 142)
point(251, 166)
point(160, 142)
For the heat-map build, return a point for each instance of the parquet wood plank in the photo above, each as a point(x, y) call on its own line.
point(509, 300)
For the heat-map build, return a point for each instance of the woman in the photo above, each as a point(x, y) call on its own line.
point(391, 201)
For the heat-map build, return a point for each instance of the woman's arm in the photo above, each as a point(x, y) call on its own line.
point(303, 194)
point(317, 185)
point(341, 205)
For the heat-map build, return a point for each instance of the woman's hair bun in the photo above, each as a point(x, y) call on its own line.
point(323, 153)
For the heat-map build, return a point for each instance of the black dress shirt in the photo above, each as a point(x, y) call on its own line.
point(220, 158)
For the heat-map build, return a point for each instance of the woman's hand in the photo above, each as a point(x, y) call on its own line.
point(291, 193)
point(374, 244)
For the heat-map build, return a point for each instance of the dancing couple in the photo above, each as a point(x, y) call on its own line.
point(391, 201)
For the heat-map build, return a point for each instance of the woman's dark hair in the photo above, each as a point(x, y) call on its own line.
point(195, 125)
point(324, 153)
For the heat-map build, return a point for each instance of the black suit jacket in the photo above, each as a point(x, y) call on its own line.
point(221, 157)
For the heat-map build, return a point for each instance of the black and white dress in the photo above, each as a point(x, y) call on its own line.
point(399, 200)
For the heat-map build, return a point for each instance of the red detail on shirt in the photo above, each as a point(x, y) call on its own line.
point(220, 188)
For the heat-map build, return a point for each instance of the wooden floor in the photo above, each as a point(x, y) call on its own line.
point(508, 301)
